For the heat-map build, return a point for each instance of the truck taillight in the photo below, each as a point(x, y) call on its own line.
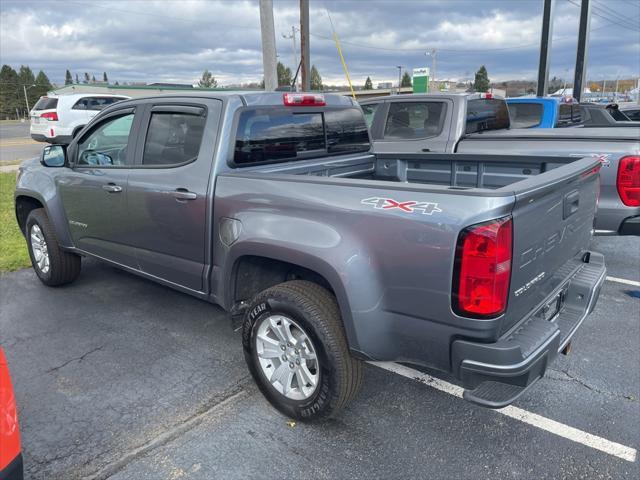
point(303, 99)
point(50, 116)
point(628, 181)
point(483, 269)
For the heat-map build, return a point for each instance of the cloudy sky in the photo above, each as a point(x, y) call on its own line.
point(164, 40)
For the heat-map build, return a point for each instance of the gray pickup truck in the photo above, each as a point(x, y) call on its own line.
point(479, 123)
point(273, 206)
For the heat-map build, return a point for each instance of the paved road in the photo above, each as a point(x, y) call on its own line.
point(120, 378)
point(16, 143)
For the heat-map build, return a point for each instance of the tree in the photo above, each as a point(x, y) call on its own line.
point(284, 75)
point(105, 79)
point(316, 79)
point(406, 80)
point(367, 84)
point(68, 79)
point(116, 83)
point(86, 78)
point(43, 85)
point(10, 90)
point(207, 80)
point(27, 80)
point(93, 79)
point(77, 80)
point(481, 82)
point(555, 84)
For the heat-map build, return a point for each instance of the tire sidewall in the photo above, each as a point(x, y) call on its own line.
point(319, 403)
point(31, 221)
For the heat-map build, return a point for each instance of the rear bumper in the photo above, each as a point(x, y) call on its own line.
point(13, 471)
point(60, 139)
point(630, 226)
point(496, 374)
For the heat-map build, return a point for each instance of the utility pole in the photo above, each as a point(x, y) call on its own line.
point(545, 47)
point(295, 53)
point(26, 99)
point(581, 56)
point(268, 46)
point(305, 61)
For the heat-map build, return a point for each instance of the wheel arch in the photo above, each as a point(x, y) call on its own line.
point(253, 270)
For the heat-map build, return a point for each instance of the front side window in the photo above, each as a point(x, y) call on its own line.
point(369, 111)
point(413, 120)
point(525, 115)
point(106, 145)
point(173, 138)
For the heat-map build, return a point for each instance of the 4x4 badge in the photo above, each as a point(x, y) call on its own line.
point(426, 208)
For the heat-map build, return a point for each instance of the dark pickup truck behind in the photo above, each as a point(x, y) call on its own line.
point(273, 207)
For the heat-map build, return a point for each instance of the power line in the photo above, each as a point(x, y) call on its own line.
point(596, 11)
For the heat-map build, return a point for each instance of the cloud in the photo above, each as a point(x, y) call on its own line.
point(156, 40)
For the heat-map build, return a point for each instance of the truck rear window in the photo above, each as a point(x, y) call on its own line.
point(46, 103)
point(485, 114)
point(568, 115)
point(525, 115)
point(267, 135)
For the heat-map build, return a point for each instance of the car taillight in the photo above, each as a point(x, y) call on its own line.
point(303, 99)
point(483, 269)
point(628, 181)
point(50, 116)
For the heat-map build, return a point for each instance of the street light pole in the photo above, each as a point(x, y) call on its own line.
point(26, 99)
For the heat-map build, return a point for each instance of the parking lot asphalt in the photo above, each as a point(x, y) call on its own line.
point(117, 377)
point(16, 143)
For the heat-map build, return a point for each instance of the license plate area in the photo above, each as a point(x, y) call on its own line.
point(552, 308)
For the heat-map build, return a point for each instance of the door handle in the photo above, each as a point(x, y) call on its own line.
point(112, 188)
point(184, 194)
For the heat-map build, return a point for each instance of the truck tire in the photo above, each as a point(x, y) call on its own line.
point(296, 351)
point(53, 265)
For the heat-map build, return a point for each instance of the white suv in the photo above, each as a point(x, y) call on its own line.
point(57, 119)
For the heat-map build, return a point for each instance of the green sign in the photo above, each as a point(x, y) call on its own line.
point(421, 80)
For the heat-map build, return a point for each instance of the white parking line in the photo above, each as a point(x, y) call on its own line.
point(538, 421)
point(624, 280)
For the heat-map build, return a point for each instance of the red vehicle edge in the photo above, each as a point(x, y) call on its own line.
point(10, 454)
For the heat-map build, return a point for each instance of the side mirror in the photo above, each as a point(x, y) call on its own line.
point(54, 156)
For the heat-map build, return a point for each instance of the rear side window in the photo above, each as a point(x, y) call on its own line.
point(95, 103)
point(46, 103)
point(568, 115)
point(369, 111)
point(617, 115)
point(412, 120)
point(267, 135)
point(173, 138)
point(485, 114)
point(525, 115)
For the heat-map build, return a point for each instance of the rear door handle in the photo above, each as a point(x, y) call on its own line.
point(112, 188)
point(184, 194)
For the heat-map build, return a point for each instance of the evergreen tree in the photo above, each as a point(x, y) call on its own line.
point(68, 79)
point(316, 79)
point(116, 83)
point(481, 83)
point(93, 79)
point(27, 80)
point(10, 91)
point(368, 85)
point(105, 79)
point(406, 80)
point(86, 78)
point(43, 85)
point(77, 80)
point(207, 80)
point(284, 75)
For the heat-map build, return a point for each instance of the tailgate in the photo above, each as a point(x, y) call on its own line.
point(552, 227)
